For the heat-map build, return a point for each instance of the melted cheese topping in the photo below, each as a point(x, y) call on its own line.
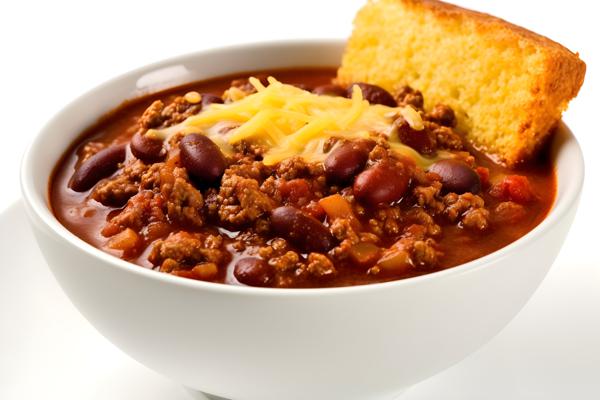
point(290, 121)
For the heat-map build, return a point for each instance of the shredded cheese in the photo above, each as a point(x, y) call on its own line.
point(290, 121)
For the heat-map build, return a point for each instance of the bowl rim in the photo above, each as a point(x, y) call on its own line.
point(40, 209)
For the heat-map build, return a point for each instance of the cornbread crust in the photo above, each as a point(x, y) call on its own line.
point(509, 86)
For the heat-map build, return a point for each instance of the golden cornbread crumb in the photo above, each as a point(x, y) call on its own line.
point(508, 86)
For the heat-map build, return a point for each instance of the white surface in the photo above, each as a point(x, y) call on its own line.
point(56, 51)
point(550, 351)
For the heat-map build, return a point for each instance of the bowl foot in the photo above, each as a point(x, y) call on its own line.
point(198, 395)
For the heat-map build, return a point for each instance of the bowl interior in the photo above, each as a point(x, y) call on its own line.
point(51, 142)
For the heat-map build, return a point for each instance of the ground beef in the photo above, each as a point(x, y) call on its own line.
point(343, 230)
point(443, 115)
point(183, 202)
point(387, 221)
point(178, 110)
point(117, 190)
point(409, 96)
point(163, 193)
point(288, 261)
point(89, 149)
point(446, 138)
point(152, 117)
point(413, 250)
point(157, 115)
point(429, 197)
point(185, 250)
point(240, 200)
point(320, 266)
point(296, 167)
point(418, 215)
point(508, 212)
point(466, 208)
point(477, 218)
point(141, 209)
point(379, 153)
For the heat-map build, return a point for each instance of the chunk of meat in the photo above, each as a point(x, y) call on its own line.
point(141, 209)
point(117, 190)
point(157, 115)
point(413, 250)
point(178, 110)
point(152, 116)
point(409, 96)
point(185, 250)
point(468, 209)
point(89, 149)
point(241, 201)
point(429, 197)
point(509, 212)
point(443, 115)
point(446, 137)
point(183, 201)
point(320, 266)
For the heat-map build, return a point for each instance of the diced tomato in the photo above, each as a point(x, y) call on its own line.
point(338, 207)
point(125, 240)
point(515, 188)
point(295, 190)
point(315, 210)
point(364, 253)
point(395, 261)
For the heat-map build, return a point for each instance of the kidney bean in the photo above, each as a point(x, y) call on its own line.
point(209, 98)
point(374, 94)
point(422, 141)
point(300, 229)
point(147, 149)
point(344, 162)
point(457, 176)
point(98, 166)
point(253, 271)
point(330, 90)
point(202, 158)
point(382, 183)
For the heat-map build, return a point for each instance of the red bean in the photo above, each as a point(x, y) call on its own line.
point(330, 90)
point(344, 162)
point(98, 166)
point(202, 158)
point(209, 98)
point(422, 141)
point(374, 94)
point(382, 183)
point(457, 176)
point(253, 272)
point(301, 230)
point(147, 149)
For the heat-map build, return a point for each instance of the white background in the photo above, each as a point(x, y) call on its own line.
point(52, 51)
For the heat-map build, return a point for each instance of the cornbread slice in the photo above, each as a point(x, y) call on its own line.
point(507, 85)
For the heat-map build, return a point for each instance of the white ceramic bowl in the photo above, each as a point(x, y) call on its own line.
point(244, 343)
